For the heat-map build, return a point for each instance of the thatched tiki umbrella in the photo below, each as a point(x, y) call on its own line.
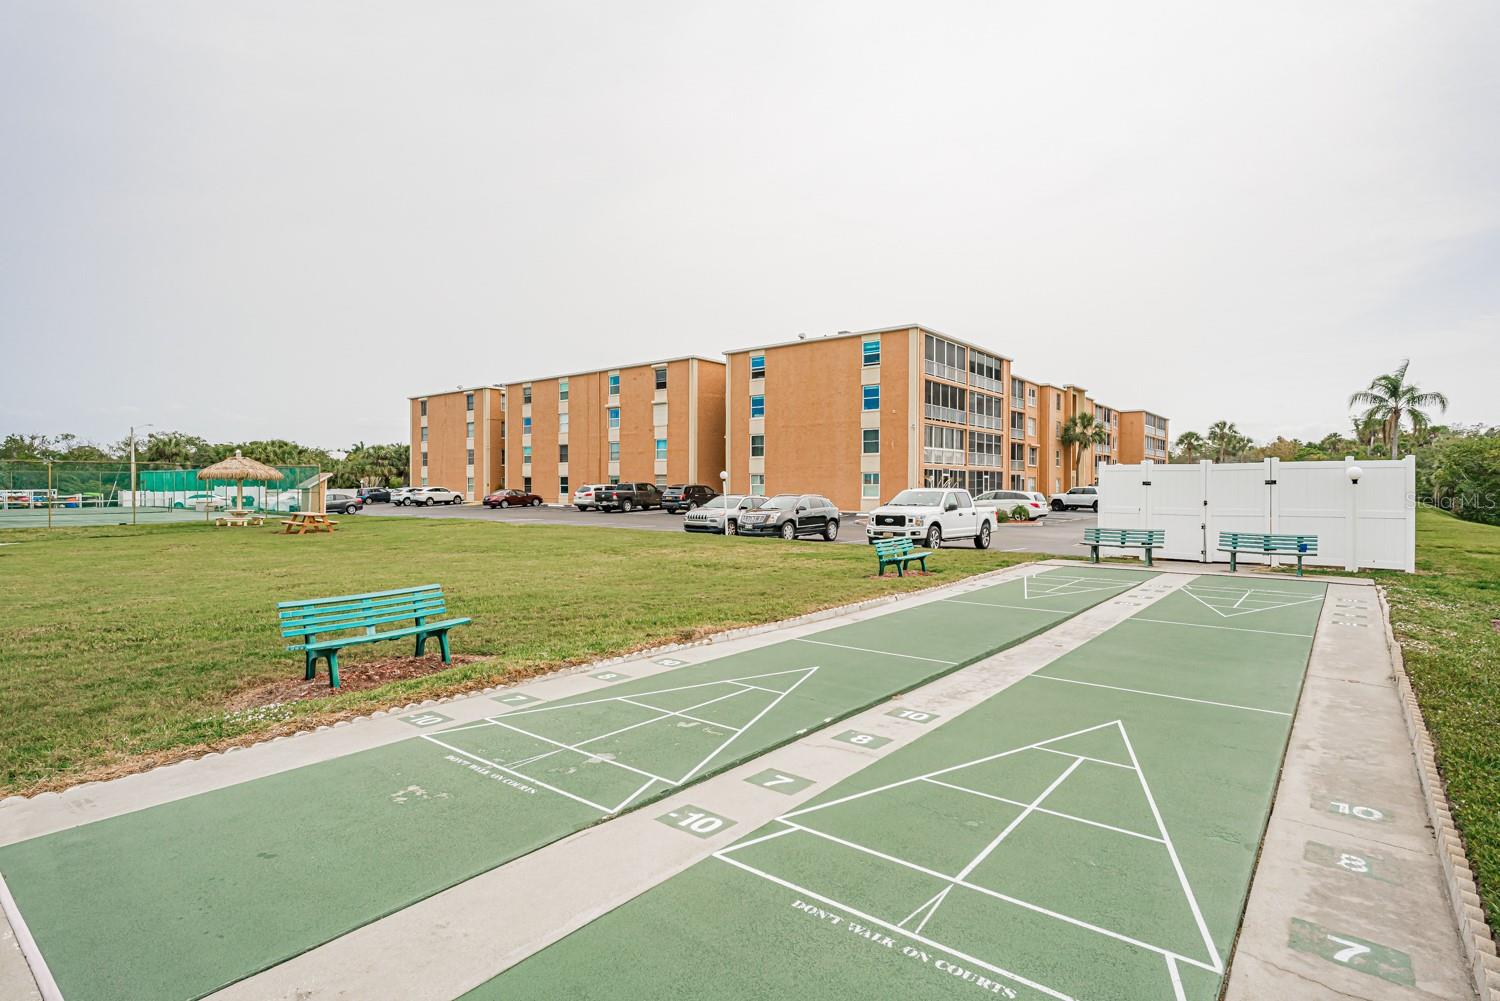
point(239, 469)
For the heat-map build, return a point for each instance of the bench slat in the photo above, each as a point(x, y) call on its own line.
point(300, 609)
point(369, 622)
point(433, 607)
point(393, 634)
point(358, 597)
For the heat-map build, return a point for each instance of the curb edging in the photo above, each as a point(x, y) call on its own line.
point(1458, 878)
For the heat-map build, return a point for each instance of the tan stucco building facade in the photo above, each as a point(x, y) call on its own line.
point(457, 440)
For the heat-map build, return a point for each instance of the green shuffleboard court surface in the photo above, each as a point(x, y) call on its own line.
point(1088, 834)
point(177, 900)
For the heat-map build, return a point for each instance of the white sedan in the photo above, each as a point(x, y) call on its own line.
point(1034, 504)
point(428, 496)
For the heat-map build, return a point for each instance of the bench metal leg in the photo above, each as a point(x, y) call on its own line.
point(1232, 560)
point(443, 646)
point(1299, 564)
point(333, 668)
point(1148, 556)
point(312, 666)
point(421, 644)
point(1093, 554)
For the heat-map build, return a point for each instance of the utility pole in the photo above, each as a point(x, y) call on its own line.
point(134, 495)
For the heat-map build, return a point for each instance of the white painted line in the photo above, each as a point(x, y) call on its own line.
point(1177, 992)
point(1042, 809)
point(883, 653)
point(519, 775)
point(1207, 625)
point(672, 712)
point(551, 706)
point(1019, 608)
point(1085, 757)
point(39, 969)
point(756, 719)
point(1235, 609)
point(1030, 808)
point(1160, 695)
point(1208, 940)
point(997, 970)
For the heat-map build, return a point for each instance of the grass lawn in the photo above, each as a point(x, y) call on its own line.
point(121, 648)
point(1445, 619)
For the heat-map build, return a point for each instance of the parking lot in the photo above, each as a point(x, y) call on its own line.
point(1058, 533)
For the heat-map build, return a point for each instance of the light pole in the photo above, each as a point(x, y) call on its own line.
point(723, 481)
point(134, 502)
point(1354, 473)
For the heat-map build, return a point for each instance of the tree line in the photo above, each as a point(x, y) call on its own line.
point(1458, 466)
point(359, 465)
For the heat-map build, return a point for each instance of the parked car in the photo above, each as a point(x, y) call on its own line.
point(428, 496)
point(721, 514)
point(198, 502)
point(932, 514)
point(584, 496)
point(686, 496)
point(401, 495)
point(791, 515)
point(627, 497)
point(1076, 498)
point(511, 498)
point(342, 502)
point(1034, 504)
point(374, 495)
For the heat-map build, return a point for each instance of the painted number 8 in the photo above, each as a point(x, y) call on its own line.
point(861, 738)
point(1353, 863)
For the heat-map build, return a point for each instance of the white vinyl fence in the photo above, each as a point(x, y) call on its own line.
point(1371, 523)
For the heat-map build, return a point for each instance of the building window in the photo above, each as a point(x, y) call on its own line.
point(871, 354)
point(757, 485)
point(757, 366)
point(943, 446)
point(944, 359)
point(1057, 457)
point(423, 405)
point(661, 449)
point(661, 377)
point(869, 486)
point(985, 370)
point(469, 486)
point(1017, 453)
point(1031, 454)
point(562, 486)
point(986, 411)
point(526, 425)
point(424, 460)
point(525, 453)
point(469, 429)
point(661, 481)
point(1031, 483)
point(469, 406)
point(424, 433)
point(562, 423)
point(562, 453)
point(1017, 424)
point(614, 384)
point(614, 451)
point(614, 417)
point(985, 449)
point(757, 406)
point(526, 484)
point(871, 441)
point(613, 480)
point(562, 390)
point(872, 397)
point(424, 481)
point(471, 457)
point(1031, 427)
point(526, 393)
point(757, 446)
point(1031, 396)
point(945, 403)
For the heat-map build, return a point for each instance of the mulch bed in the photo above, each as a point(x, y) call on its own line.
point(352, 678)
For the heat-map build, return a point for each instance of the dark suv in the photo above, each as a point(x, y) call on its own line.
point(375, 495)
point(627, 497)
point(791, 515)
point(686, 497)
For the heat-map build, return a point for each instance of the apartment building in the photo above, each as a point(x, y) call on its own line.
point(861, 415)
point(1143, 435)
point(659, 422)
point(458, 441)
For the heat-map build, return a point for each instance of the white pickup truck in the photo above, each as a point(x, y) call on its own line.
point(932, 515)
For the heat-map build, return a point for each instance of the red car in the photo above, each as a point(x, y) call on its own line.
point(511, 498)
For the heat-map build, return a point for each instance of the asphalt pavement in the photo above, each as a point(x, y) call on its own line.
point(1057, 534)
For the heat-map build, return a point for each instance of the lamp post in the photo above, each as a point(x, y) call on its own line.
point(134, 502)
point(1351, 563)
point(723, 481)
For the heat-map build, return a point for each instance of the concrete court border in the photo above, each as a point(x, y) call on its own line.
point(453, 941)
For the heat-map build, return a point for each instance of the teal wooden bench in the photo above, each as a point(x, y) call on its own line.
point(1145, 539)
point(1263, 544)
point(898, 553)
point(352, 621)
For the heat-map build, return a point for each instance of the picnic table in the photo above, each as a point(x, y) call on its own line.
point(239, 518)
point(302, 522)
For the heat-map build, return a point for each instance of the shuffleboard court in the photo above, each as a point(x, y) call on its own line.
point(1087, 834)
point(180, 899)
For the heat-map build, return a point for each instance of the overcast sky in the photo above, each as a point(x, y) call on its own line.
point(280, 219)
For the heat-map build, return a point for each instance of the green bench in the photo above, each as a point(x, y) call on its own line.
point(1145, 539)
point(898, 553)
point(1263, 544)
point(353, 618)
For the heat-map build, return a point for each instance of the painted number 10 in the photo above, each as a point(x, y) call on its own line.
point(700, 823)
point(1362, 812)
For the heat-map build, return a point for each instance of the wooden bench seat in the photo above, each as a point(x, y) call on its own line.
point(1145, 539)
point(1267, 544)
point(899, 553)
point(324, 626)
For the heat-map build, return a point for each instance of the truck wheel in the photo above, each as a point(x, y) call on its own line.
point(627, 506)
point(831, 530)
point(934, 536)
point(789, 530)
point(982, 540)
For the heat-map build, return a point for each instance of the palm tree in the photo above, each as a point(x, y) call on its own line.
point(1078, 433)
point(1389, 398)
point(1189, 444)
point(1226, 439)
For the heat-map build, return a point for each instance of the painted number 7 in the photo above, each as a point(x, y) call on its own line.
point(778, 780)
point(1351, 950)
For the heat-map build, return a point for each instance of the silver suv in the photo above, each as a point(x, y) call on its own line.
point(721, 514)
point(793, 515)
